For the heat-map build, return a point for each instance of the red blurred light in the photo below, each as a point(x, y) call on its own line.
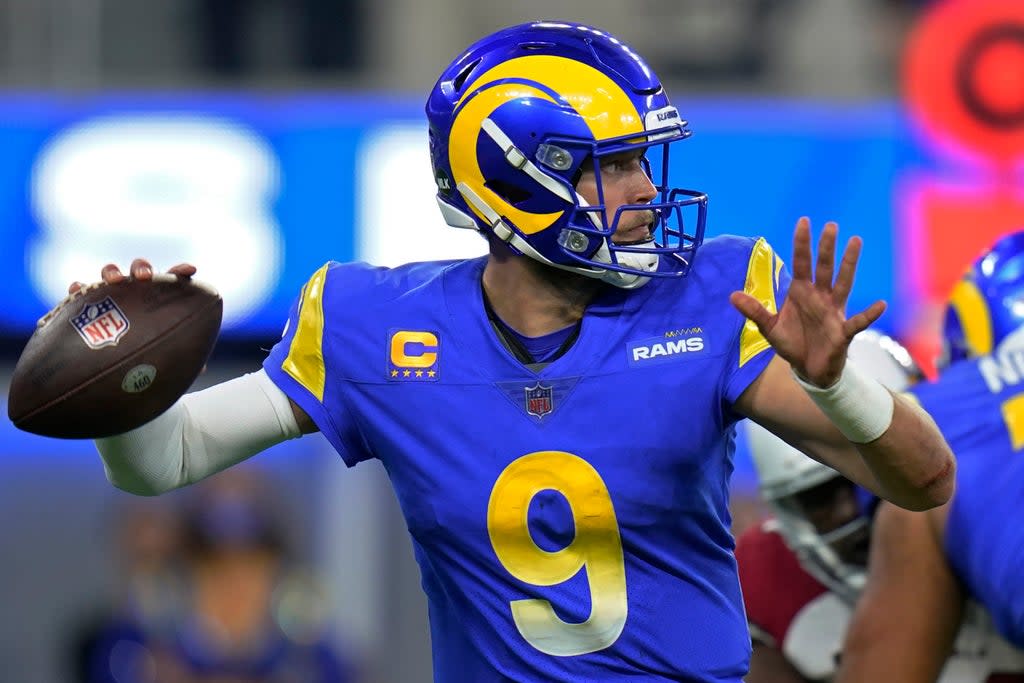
point(998, 77)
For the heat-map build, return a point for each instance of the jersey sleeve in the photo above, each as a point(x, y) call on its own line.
point(767, 280)
point(307, 366)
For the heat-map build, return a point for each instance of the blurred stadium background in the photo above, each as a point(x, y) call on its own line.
point(258, 139)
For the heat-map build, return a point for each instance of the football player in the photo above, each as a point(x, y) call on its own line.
point(557, 417)
point(802, 569)
point(924, 568)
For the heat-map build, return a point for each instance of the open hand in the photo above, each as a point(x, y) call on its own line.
point(811, 331)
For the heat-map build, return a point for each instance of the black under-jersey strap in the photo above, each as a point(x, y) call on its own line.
point(515, 347)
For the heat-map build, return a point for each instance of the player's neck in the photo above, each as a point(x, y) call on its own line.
point(532, 298)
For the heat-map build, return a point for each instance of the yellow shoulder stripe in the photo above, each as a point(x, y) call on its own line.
point(760, 285)
point(305, 360)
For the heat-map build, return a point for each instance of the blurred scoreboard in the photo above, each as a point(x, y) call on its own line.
point(258, 193)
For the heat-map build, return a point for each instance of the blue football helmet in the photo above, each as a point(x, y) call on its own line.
point(987, 304)
point(519, 115)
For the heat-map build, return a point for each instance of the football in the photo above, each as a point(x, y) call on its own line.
point(111, 357)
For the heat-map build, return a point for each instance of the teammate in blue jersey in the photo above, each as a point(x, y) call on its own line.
point(557, 418)
point(925, 567)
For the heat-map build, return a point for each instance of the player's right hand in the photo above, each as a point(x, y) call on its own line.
point(141, 269)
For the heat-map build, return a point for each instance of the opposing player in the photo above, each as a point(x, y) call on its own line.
point(557, 418)
point(802, 569)
point(924, 568)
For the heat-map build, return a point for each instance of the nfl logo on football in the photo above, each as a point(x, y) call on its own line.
point(101, 323)
point(539, 400)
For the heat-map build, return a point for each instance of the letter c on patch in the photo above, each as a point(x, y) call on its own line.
point(422, 357)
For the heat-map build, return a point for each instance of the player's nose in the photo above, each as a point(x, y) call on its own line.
point(643, 190)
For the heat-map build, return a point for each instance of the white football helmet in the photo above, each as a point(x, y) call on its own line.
point(783, 472)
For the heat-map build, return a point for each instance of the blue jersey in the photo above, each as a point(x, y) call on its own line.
point(979, 406)
point(570, 524)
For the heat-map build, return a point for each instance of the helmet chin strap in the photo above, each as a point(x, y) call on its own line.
point(629, 259)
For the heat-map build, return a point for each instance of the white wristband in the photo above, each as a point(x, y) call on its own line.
point(858, 405)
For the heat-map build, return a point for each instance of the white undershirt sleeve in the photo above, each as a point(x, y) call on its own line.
point(201, 434)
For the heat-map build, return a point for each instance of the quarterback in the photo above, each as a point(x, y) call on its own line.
point(557, 418)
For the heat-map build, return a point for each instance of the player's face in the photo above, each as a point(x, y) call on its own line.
point(832, 505)
point(623, 181)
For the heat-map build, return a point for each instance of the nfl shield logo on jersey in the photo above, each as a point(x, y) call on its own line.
point(539, 400)
point(101, 323)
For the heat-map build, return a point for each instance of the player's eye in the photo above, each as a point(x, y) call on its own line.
point(623, 163)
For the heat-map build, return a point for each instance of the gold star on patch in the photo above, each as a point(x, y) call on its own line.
point(406, 373)
point(431, 373)
point(394, 373)
point(419, 373)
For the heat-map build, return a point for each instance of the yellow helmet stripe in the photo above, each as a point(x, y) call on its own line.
point(462, 154)
point(975, 318)
point(604, 106)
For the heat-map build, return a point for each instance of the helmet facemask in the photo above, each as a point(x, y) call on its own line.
point(583, 241)
point(629, 264)
point(837, 557)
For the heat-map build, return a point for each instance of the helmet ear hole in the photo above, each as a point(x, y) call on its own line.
point(513, 194)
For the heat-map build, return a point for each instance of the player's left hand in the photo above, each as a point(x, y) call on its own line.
point(811, 330)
